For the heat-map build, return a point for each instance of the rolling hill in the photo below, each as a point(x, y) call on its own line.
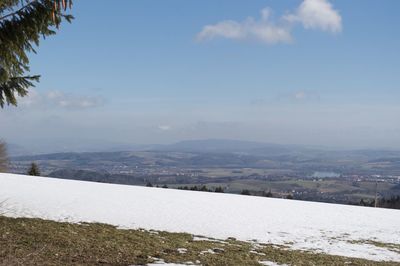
point(350, 231)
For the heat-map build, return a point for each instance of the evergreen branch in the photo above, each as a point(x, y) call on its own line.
point(27, 22)
point(19, 10)
point(16, 85)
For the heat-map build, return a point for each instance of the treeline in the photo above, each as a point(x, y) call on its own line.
point(257, 193)
point(203, 188)
point(220, 189)
point(193, 188)
point(391, 203)
point(149, 184)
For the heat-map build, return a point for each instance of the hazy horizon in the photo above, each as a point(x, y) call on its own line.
point(36, 147)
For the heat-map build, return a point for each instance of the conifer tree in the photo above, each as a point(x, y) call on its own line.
point(203, 188)
point(245, 192)
point(22, 24)
point(219, 190)
point(34, 170)
point(267, 194)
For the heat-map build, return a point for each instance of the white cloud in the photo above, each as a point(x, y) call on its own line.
point(317, 14)
point(312, 14)
point(164, 127)
point(263, 30)
point(228, 29)
point(56, 98)
point(300, 95)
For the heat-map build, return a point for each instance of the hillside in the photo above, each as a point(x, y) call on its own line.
point(350, 231)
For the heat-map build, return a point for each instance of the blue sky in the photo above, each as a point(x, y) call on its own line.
point(313, 72)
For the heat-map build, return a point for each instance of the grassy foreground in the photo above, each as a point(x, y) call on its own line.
point(25, 241)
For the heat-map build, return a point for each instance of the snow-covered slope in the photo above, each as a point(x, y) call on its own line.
point(318, 226)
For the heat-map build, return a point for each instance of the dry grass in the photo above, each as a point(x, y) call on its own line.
point(39, 242)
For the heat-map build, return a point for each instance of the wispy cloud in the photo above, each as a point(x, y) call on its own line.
point(164, 127)
point(301, 96)
point(312, 14)
point(55, 98)
point(263, 30)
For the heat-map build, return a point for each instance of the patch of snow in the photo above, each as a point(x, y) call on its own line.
point(200, 238)
point(209, 251)
point(168, 264)
point(256, 252)
point(271, 263)
point(158, 261)
point(182, 250)
point(315, 226)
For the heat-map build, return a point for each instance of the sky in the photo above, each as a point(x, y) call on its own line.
point(309, 72)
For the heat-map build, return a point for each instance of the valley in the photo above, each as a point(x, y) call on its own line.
point(345, 177)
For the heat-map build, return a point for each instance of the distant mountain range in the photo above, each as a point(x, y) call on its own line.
point(223, 146)
point(205, 146)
